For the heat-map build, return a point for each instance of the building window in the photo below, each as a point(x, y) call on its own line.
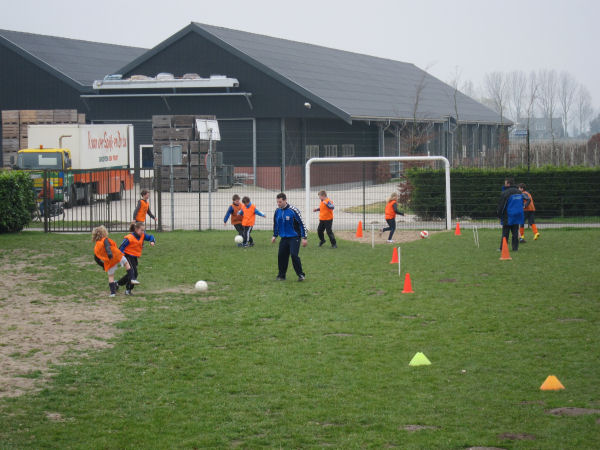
point(311, 151)
point(347, 149)
point(540, 126)
point(330, 151)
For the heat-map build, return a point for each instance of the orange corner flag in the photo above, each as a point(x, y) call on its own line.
point(505, 256)
point(457, 231)
point(407, 285)
point(359, 233)
point(551, 384)
point(394, 256)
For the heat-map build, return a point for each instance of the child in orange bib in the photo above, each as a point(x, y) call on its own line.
point(109, 257)
point(248, 213)
point(528, 214)
point(132, 246)
point(391, 209)
point(325, 210)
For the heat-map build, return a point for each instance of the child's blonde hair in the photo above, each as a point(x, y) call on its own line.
point(393, 196)
point(99, 233)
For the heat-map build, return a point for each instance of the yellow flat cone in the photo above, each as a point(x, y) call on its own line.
point(551, 384)
point(419, 360)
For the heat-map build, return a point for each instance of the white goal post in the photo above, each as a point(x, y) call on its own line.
point(312, 161)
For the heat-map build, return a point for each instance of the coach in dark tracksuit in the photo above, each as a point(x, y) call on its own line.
point(510, 212)
point(289, 226)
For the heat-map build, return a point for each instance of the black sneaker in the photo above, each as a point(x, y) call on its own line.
point(280, 278)
point(333, 245)
point(128, 292)
point(301, 277)
point(321, 243)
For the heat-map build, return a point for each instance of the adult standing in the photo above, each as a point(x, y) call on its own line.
point(289, 226)
point(510, 212)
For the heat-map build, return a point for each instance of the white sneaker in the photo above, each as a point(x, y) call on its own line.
point(390, 241)
point(128, 292)
point(112, 295)
point(134, 282)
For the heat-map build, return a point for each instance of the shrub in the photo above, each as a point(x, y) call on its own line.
point(17, 200)
point(556, 191)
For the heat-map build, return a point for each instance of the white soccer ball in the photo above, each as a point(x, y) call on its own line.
point(424, 234)
point(238, 239)
point(201, 285)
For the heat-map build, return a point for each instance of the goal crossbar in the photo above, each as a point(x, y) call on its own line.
point(312, 161)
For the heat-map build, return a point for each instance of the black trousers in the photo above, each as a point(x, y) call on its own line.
point(289, 247)
point(391, 227)
point(246, 235)
point(125, 280)
point(529, 217)
point(239, 228)
point(325, 225)
point(506, 230)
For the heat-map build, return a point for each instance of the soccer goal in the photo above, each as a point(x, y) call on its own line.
point(326, 177)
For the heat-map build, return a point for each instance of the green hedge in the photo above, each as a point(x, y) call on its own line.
point(17, 200)
point(556, 191)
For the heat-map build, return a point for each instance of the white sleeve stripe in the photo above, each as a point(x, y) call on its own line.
point(297, 211)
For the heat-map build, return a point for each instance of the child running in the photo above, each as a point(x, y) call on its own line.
point(142, 208)
point(248, 213)
point(132, 247)
point(325, 219)
point(110, 257)
point(529, 215)
point(391, 209)
point(236, 219)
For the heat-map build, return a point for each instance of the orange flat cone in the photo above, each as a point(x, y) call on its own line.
point(505, 256)
point(359, 229)
point(551, 384)
point(457, 231)
point(407, 285)
point(394, 256)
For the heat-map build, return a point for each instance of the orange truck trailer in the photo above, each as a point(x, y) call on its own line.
point(90, 161)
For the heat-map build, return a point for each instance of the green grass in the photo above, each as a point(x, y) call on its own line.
point(254, 362)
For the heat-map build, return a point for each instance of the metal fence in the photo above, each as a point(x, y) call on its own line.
point(359, 191)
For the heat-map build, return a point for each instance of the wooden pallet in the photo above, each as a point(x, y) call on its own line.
point(64, 116)
point(10, 117)
point(10, 131)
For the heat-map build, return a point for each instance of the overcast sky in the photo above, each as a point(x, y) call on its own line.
point(471, 36)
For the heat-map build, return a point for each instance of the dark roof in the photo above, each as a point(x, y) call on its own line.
point(351, 85)
point(77, 62)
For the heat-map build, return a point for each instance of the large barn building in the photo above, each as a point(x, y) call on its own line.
point(292, 100)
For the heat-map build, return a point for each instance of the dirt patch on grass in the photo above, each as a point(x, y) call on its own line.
point(381, 238)
point(568, 411)
point(418, 427)
point(38, 329)
point(447, 280)
point(340, 334)
point(517, 436)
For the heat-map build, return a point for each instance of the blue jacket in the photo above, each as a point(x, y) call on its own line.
point(287, 222)
point(510, 207)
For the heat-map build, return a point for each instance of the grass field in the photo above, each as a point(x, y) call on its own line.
point(254, 362)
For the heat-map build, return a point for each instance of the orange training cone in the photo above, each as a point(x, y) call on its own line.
point(359, 229)
point(551, 384)
point(394, 256)
point(457, 231)
point(505, 256)
point(407, 285)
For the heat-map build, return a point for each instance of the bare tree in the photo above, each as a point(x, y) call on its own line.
point(567, 88)
point(584, 110)
point(496, 89)
point(517, 87)
point(548, 96)
point(531, 95)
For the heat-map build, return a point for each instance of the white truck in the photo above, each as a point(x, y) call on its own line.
point(72, 152)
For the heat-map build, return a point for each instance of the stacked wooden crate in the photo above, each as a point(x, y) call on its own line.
point(10, 136)
point(191, 175)
point(15, 123)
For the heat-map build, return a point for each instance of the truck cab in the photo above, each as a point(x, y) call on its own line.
point(55, 160)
